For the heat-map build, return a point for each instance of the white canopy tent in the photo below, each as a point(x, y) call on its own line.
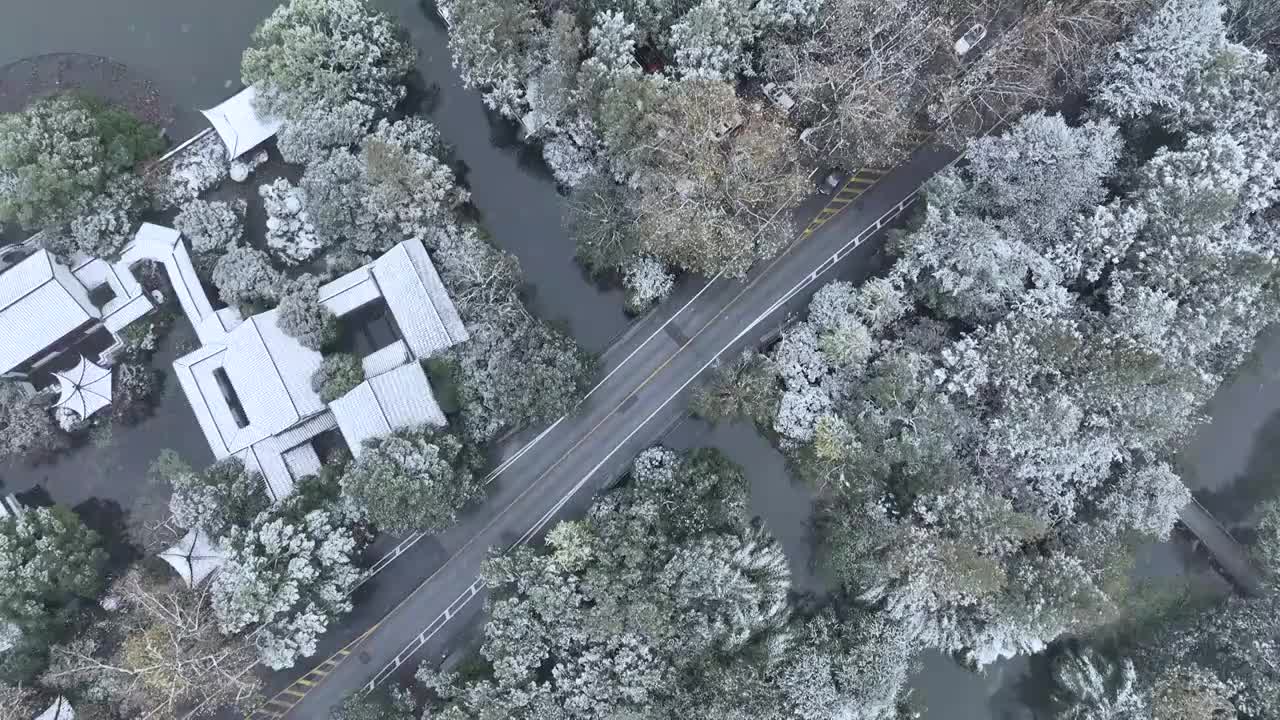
point(238, 123)
point(195, 557)
point(85, 389)
point(59, 710)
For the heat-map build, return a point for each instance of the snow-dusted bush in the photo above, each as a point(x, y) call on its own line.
point(211, 226)
point(107, 222)
point(647, 282)
point(315, 130)
point(303, 316)
point(198, 168)
point(290, 234)
point(244, 275)
point(337, 375)
point(569, 163)
point(242, 168)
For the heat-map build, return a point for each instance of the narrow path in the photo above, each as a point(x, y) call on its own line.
point(1229, 554)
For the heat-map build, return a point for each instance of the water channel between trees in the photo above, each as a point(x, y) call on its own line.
point(190, 50)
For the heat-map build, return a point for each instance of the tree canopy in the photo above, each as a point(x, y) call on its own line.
point(66, 156)
point(417, 479)
point(318, 64)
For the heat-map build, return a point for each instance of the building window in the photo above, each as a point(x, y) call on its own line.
point(233, 400)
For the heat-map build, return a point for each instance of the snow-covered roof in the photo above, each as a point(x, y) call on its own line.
point(422, 307)
point(195, 557)
point(406, 280)
point(239, 124)
point(270, 373)
point(380, 405)
point(59, 710)
point(279, 457)
point(40, 303)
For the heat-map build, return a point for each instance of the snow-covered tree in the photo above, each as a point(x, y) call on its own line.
point(1035, 178)
point(666, 600)
point(510, 352)
point(106, 221)
point(1089, 686)
point(1191, 692)
point(511, 374)
point(17, 701)
point(1146, 499)
point(312, 54)
point(158, 653)
point(711, 40)
point(647, 282)
point(417, 479)
point(1148, 70)
point(716, 207)
point(302, 315)
point(1266, 548)
point(488, 39)
point(603, 224)
point(337, 375)
point(61, 153)
point(211, 226)
point(571, 164)
point(853, 78)
point(314, 130)
point(288, 574)
point(290, 233)
point(746, 388)
point(244, 276)
point(393, 704)
point(409, 185)
point(50, 564)
point(333, 190)
point(221, 497)
point(26, 425)
point(200, 167)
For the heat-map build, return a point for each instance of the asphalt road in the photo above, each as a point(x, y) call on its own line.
point(649, 373)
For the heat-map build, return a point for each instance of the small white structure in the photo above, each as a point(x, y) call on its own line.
point(194, 557)
point(41, 302)
point(972, 37)
point(379, 406)
point(10, 507)
point(86, 388)
point(239, 125)
point(59, 710)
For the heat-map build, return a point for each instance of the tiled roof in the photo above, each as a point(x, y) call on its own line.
point(269, 456)
point(270, 373)
point(380, 405)
point(422, 308)
point(40, 303)
point(350, 291)
point(239, 124)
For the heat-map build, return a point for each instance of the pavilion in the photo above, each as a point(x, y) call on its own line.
point(239, 124)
